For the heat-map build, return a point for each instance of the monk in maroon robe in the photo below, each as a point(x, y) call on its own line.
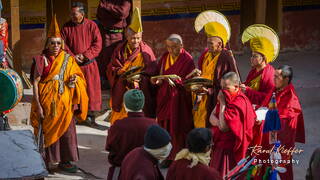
point(232, 120)
point(259, 81)
point(174, 106)
point(192, 163)
point(258, 84)
point(224, 62)
point(128, 133)
point(83, 41)
point(291, 117)
point(132, 53)
point(113, 17)
point(142, 162)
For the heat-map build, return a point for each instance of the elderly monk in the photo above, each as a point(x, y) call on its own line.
point(173, 101)
point(213, 63)
point(113, 17)
point(193, 163)
point(58, 85)
point(291, 117)
point(232, 120)
point(128, 133)
point(130, 54)
point(83, 41)
point(142, 162)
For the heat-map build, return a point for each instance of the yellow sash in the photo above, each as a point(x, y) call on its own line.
point(208, 68)
point(170, 61)
point(138, 61)
point(255, 83)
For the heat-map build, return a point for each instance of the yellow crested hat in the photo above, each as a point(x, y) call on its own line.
point(263, 39)
point(136, 22)
point(214, 24)
point(54, 30)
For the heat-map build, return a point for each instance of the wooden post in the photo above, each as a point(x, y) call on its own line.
point(274, 15)
point(260, 11)
point(59, 7)
point(92, 9)
point(136, 3)
point(247, 14)
point(14, 35)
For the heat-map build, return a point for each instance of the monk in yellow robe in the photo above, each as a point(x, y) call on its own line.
point(58, 85)
point(129, 54)
point(214, 62)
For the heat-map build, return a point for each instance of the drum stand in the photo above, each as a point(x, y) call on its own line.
point(4, 124)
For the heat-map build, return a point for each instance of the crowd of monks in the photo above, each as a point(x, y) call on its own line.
point(221, 115)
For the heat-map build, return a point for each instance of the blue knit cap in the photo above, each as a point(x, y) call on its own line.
point(156, 137)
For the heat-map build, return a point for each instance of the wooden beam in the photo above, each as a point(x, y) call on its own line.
point(14, 35)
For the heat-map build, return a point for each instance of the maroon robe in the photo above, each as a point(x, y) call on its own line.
point(292, 124)
point(38, 67)
point(85, 39)
point(180, 170)
point(66, 147)
point(174, 104)
point(257, 96)
point(266, 84)
point(231, 146)
point(140, 165)
point(125, 135)
point(119, 85)
point(226, 63)
point(111, 15)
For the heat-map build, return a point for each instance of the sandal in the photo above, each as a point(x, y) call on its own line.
point(68, 167)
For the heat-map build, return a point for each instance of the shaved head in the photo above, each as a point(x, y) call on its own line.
point(230, 82)
point(175, 38)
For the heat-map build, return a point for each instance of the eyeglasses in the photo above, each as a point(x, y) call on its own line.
point(55, 42)
point(255, 56)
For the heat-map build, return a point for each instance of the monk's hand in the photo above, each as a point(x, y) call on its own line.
point(214, 121)
point(40, 111)
point(72, 81)
point(197, 72)
point(221, 98)
point(156, 81)
point(243, 87)
point(79, 58)
point(258, 122)
point(159, 81)
point(3, 64)
point(194, 73)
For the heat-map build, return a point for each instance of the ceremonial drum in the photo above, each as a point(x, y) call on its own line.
point(11, 89)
